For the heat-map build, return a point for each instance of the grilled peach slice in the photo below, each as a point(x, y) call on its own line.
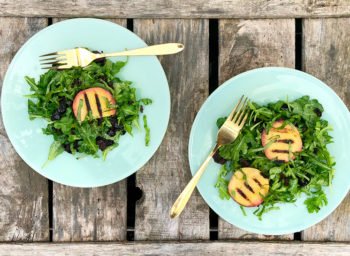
point(247, 185)
point(94, 100)
point(279, 149)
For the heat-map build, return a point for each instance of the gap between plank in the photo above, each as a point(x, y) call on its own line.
point(50, 186)
point(213, 54)
point(50, 201)
point(298, 43)
point(298, 66)
point(213, 84)
point(131, 184)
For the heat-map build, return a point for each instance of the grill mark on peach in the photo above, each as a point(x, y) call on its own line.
point(248, 187)
point(87, 102)
point(280, 151)
point(282, 130)
point(279, 161)
point(242, 194)
point(98, 103)
point(257, 182)
point(285, 141)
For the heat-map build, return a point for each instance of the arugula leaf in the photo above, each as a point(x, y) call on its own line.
point(315, 202)
point(55, 150)
point(148, 135)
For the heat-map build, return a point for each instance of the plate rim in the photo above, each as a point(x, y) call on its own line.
point(318, 218)
point(11, 67)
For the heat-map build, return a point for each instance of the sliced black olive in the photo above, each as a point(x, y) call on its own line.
point(244, 163)
point(318, 112)
point(218, 159)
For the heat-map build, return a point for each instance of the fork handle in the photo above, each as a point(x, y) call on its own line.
point(183, 198)
point(159, 49)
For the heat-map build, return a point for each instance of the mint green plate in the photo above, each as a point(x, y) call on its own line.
point(262, 86)
point(147, 76)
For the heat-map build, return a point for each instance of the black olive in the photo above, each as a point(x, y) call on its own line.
point(111, 132)
point(110, 84)
point(56, 116)
point(243, 162)
point(103, 143)
point(141, 109)
point(103, 77)
point(303, 182)
point(284, 179)
point(76, 145)
point(257, 120)
point(318, 112)
point(99, 121)
point(63, 106)
point(218, 159)
point(113, 120)
point(69, 102)
point(100, 61)
point(59, 131)
point(76, 82)
point(284, 107)
point(67, 148)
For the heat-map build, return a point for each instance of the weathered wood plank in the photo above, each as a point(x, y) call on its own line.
point(177, 8)
point(176, 248)
point(326, 55)
point(167, 173)
point(23, 192)
point(90, 214)
point(245, 45)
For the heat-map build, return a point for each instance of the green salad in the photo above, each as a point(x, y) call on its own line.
point(86, 109)
point(269, 142)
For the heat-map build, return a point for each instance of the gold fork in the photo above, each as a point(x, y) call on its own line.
point(228, 132)
point(83, 57)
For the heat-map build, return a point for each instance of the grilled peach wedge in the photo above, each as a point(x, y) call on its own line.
point(279, 149)
point(93, 100)
point(247, 185)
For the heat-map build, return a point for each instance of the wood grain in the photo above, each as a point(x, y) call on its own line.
point(175, 248)
point(245, 45)
point(326, 55)
point(177, 8)
point(90, 214)
point(167, 173)
point(23, 192)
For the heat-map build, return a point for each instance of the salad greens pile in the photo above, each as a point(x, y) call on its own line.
point(311, 169)
point(53, 97)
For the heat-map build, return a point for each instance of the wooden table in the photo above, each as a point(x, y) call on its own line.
point(131, 217)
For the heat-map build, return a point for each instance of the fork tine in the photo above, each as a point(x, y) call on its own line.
point(239, 111)
point(49, 54)
point(234, 110)
point(242, 114)
point(53, 62)
point(54, 53)
point(54, 58)
point(56, 67)
point(244, 119)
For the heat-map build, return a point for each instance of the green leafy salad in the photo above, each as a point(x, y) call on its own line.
point(86, 109)
point(284, 143)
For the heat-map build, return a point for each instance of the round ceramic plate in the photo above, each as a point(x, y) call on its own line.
point(262, 86)
point(147, 76)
